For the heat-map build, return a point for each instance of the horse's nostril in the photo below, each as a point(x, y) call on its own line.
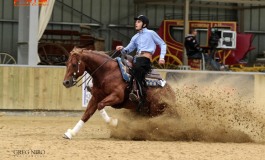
point(66, 82)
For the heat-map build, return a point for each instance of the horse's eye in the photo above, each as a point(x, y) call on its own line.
point(74, 65)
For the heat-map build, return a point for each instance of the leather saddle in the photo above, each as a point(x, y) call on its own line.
point(152, 80)
point(127, 60)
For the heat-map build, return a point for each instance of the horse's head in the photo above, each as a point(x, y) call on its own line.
point(75, 67)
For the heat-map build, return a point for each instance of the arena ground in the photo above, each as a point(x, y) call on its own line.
point(39, 136)
point(211, 120)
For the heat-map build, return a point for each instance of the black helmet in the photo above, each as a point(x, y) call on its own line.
point(144, 19)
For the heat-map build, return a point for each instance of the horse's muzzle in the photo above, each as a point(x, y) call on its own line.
point(67, 83)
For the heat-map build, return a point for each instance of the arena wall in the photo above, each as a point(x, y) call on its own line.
point(259, 86)
point(37, 88)
point(41, 88)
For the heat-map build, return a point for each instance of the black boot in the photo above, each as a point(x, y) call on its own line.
point(134, 95)
point(140, 105)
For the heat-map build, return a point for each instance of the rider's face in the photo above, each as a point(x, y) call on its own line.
point(138, 25)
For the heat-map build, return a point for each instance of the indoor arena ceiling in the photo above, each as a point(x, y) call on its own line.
point(235, 4)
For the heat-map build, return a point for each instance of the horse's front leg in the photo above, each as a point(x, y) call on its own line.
point(90, 110)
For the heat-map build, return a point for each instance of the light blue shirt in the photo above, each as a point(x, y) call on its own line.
point(146, 41)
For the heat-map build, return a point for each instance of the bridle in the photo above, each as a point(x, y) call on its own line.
point(75, 73)
point(75, 81)
point(74, 76)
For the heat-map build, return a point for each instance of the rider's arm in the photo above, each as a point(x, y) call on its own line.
point(130, 47)
point(161, 43)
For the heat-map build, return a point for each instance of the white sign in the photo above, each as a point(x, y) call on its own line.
point(86, 96)
point(227, 40)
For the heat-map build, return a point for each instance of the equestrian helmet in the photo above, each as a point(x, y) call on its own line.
point(144, 19)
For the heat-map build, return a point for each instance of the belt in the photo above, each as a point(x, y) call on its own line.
point(145, 54)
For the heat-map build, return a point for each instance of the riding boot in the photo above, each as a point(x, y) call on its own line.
point(142, 95)
point(134, 95)
point(144, 84)
point(130, 86)
point(140, 105)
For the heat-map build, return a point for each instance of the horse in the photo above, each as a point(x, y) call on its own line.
point(109, 88)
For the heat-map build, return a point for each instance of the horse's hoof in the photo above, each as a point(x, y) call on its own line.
point(68, 134)
point(113, 122)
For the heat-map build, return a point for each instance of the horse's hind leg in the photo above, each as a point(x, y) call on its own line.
point(109, 101)
point(111, 121)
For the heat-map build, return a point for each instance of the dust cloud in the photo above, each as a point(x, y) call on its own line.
point(208, 108)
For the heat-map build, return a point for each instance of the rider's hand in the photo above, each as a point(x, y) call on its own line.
point(161, 61)
point(118, 48)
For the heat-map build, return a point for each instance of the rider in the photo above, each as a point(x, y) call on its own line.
point(145, 42)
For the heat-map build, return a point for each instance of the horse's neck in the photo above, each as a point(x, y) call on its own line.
point(95, 63)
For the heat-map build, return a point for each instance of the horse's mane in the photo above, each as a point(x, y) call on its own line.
point(86, 51)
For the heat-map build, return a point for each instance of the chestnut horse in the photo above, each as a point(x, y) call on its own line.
point(109, 88)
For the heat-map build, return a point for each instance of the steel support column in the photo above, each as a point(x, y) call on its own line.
point(27, 35)
point(186, 28)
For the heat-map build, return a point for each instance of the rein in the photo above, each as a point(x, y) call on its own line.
point(90, 76)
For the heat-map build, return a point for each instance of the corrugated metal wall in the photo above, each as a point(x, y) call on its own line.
point(254, 23)
point(98, 12)
point(8, 27)
point(69, 13)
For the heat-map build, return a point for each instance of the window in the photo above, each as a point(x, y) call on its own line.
point(202, 37)
point(177, 33)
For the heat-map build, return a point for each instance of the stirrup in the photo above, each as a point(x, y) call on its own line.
point(133, 97)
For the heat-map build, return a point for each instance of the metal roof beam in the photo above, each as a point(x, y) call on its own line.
point(208, 5)
point(253, 2)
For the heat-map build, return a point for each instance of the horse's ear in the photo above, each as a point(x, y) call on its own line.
point(74, 48)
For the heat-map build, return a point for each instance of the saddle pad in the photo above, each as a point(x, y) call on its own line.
point(126, 76)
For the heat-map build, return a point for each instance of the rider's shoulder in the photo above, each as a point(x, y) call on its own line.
point(149, 31)
point(135, 36)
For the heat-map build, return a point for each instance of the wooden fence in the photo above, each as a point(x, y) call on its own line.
point(37, 88)
point(41, 88)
